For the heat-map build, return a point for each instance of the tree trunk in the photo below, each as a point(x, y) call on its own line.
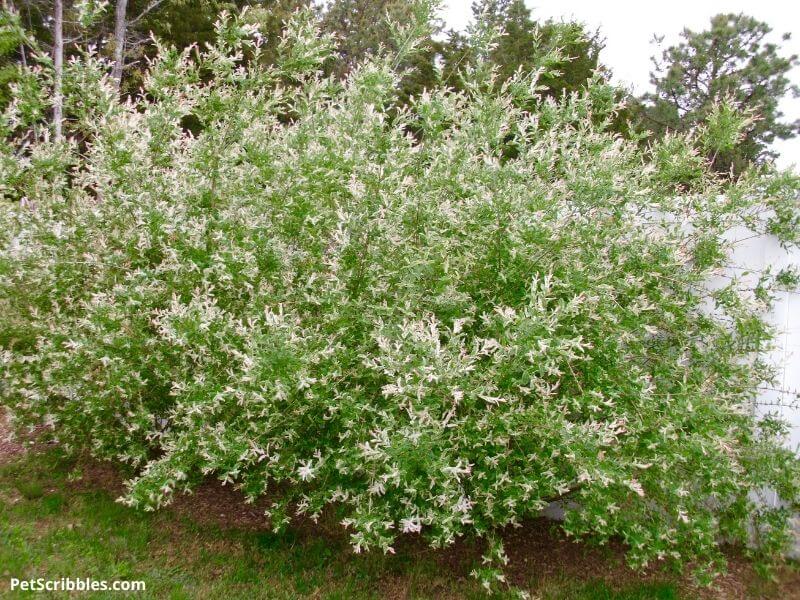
point(119, 41)
point(58, 62)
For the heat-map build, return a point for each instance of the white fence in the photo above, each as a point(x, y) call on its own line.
point(755, 255)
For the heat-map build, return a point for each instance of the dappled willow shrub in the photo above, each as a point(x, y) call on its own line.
point(428, 332)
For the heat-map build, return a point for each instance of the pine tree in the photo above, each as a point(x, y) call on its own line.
point(732, 60)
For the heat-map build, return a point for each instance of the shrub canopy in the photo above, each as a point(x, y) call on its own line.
point(436, 318)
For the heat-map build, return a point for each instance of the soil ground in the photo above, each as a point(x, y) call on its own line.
point(542, 558)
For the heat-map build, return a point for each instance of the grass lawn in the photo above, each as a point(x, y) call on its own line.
point(55, 524)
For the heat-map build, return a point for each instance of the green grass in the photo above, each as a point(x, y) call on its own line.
point(50, 529)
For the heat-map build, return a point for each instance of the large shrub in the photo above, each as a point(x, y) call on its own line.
point(436, 319)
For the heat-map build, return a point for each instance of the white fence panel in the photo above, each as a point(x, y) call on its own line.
point(757, 254)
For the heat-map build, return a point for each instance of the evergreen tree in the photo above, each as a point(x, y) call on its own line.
point(734, 61)
point(13, 52)
point(364, 27)
point(529, 44)
point(271, 17)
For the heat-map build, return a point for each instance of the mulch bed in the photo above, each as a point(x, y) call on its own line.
point(538, 550)
point(9, 447)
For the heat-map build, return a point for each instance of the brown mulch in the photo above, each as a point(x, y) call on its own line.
point(538, 551)
point(9, 447)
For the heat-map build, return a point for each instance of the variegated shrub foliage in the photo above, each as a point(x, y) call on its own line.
point(436, 319)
